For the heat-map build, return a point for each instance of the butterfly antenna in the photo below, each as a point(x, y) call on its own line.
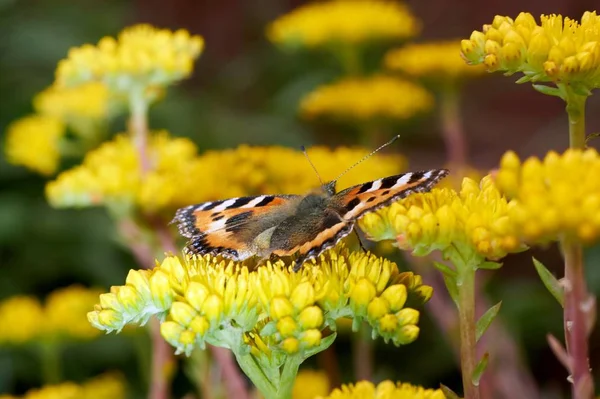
point(367, 157)
point(311, 164)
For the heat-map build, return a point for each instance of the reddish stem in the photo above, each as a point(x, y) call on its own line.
point(578, 306)
point(232, 378)
point(362, 352)
point(162, 358)
point(452, 129)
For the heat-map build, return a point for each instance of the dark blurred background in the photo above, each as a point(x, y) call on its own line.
point(246, 91)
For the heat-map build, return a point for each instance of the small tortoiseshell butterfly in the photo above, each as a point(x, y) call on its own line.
point(285, 225)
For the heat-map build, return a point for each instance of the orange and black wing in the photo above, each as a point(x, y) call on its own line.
point(354, 202)
point(228, 227)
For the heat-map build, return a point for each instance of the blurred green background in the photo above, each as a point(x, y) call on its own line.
point(246, 91)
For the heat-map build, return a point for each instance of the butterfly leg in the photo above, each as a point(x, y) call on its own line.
point(360, 242)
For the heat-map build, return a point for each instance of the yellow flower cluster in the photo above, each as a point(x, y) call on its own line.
point(475, 222)
point(435, 60)
point(110, 174)
point(23, 319)
point(345, 22)
point(34, 142)
point(271, 311)
point(558, 50)
point(367, 98)
point(554, 198)
point(89, 100)
point(141, 58)
point(106, 386)
point(384, 390)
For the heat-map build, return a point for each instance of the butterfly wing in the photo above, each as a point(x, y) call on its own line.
point(229, 227)
point(352, 203)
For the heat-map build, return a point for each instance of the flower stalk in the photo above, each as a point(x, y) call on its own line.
point(576, 112)
point(138, 126)
point(452, 129)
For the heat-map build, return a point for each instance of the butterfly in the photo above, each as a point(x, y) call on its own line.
point(286, 225)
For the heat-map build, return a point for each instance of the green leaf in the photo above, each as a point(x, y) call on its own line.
point(325, 343)
point(489, 265)
point(486, 319)
point(581, 89)
point(479, 369)
point(523, 79)
point(550, 282)
point(550, 91)
point(450, 282)
point(448, 393)
point(591, 136)
point(445, 269)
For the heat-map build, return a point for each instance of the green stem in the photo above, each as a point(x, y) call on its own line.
point(576, 111)
point(452, 129)
point(350, 59)
point(288, 377)
point(578, 311)
point(465, 283)
point(253, 370)
point(51, 362)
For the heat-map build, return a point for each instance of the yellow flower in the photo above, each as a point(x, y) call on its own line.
point(110, 174)
point(553, 198)
point(434, 60)
point(142, 58)
point(474, 222)
point(272, 310)
point(384, 390)
point(20, 320)
point(353, 22)
point(33, 142)
point(24, 319)
point(309, 384)
point(367, 98)
point(558, 50)
point(65, 311)
point(106, 386)
point(88, 100)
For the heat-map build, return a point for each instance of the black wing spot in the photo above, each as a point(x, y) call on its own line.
point(371, 199)
point(241, 202)
point(355, 201)
point(388, 182)
point(416, 176)
point(365, 187)
point(212, 205)
point(217, 216)
point(386, 192)
point(233, 223)
point(266, 201)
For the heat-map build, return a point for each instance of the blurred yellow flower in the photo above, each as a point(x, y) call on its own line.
point(366, 99)
point(474, 222)
point(346, 22)
point(20, 319)
point(33, 141)
point(384, 390)
point(309, 384)
point(440, 61)
point(24, 319)
point(558, 50)
point(271, 311)
point(111, 175)
point(89, 100)
point(178, 177)
point(141, 58)
point(554, 198)
point(106, 386)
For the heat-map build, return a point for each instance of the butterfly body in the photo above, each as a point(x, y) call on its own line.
point(287, 225)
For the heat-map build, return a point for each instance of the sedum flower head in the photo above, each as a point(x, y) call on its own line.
point(476, 221)
point(363, 99)
point(106, 386)
point(384, 390)
point(434, 60)
point(347, 22)
point(89, 100)
point(111, 175)
point(269, 312)
point(24, 319)
point(142, 57)
point(557, 49)
point(257, 170)
point(33, 142)
point(546, 202)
